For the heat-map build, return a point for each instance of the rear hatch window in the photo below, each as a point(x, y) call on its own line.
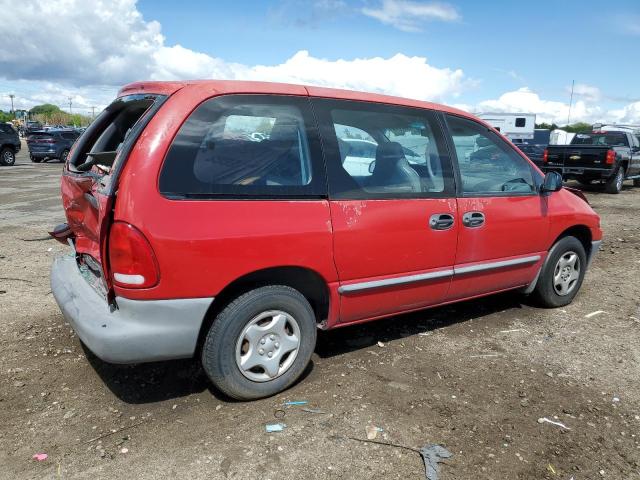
point(89, 181)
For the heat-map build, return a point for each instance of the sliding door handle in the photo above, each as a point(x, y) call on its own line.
point(441, 221)
point(473, 219)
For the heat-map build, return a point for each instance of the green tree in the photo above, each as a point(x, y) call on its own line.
point(6, 117)
point(45, 109)
point(579, 127)
point(547, 126)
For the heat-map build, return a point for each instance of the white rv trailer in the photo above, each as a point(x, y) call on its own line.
point(561, 137)
point(512, 125)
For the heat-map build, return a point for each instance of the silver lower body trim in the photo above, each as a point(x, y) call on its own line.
point(423, 277)
point(357, 287)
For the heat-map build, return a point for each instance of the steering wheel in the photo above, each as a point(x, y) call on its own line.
point(516, 185)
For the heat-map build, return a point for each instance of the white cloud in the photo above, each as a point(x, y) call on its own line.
point(398, 75)
point(525, 100)
point(409, 15)
point(110, 44)
point(628, 114)
point(588, 92)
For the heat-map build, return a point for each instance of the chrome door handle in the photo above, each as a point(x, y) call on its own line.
point(441, 221)
point(473, 219)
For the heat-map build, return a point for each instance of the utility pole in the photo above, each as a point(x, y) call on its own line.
point(70, 112)
point(12, 96)
point(573, 82)
point(93, 113)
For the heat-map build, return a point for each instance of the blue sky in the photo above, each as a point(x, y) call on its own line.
point(480, 56)
point(504, 44)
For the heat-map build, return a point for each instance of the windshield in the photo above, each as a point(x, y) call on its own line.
point(603, 139)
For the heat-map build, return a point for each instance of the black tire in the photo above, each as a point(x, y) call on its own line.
point(64, 155)
point(220, 346)
point(636, 182)
point(35, 159)
point(545, 292)
point(614, 183)
point(7, 157)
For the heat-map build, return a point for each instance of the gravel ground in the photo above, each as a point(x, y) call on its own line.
point(474, 377)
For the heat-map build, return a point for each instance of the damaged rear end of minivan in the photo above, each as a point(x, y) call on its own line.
point(107, 253)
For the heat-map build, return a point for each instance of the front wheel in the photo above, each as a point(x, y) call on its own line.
point(260, 343)
point(7, 157)
point(562, 273)
point(614, 183)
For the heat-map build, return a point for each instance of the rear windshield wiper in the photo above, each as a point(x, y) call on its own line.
point(103, 158)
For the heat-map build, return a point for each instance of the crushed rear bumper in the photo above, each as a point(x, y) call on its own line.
point(137, 330)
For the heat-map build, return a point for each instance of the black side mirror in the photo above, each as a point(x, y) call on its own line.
point(552, 183)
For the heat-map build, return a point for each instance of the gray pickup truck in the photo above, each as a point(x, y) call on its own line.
point(608, 157)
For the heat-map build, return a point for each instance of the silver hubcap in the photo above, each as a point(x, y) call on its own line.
point(268, 346)
point(566, 273)
point(619, 180)
point(8, 157)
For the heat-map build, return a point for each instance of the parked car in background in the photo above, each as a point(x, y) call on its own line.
point(51, 144)
point(607, 156)
point(191, 239)
point(30, 127)
point(9, 144)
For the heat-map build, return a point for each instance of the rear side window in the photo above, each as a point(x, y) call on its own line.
point(245, 145)
point(383, 151)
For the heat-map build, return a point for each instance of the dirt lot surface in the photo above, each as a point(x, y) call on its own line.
point(474, 377)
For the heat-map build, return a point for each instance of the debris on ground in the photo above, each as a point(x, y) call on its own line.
point(372, 431)
point(314, 410)
point(275, 427)
point(559, 424)
point(593, 314)
point(432, 455)
point(40, 457)
point(297, 402)
point(381, 344)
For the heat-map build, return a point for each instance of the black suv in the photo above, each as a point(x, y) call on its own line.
point(51, 144)
point(9, 144)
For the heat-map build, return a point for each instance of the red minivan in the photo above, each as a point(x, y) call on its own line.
point(234, 219)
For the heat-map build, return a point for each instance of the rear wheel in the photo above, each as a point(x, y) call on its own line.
point(64, 155)
point(7, 157)
point(614, 183)
point(562, 273)
point(260, 343)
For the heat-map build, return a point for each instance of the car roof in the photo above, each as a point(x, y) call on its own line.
point(208, 88)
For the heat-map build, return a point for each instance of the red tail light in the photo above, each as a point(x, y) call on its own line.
point(132, 261)
point(611, 157)
point(545, 156)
